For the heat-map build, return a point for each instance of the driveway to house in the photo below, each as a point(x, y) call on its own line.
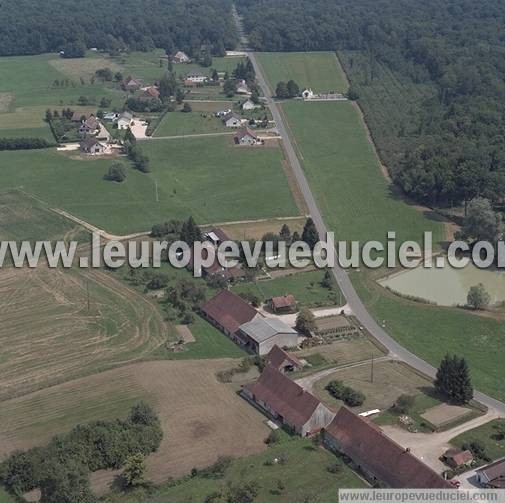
point(138, 128)
point(353, 301)
point(430, 446)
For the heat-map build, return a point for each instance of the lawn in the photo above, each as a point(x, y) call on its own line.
point(203, 177)
point(187, 123)
point(304, 475)
point(305, 286)
point(487, 435)
point(319, 71)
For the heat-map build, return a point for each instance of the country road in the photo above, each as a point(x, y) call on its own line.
point(359, 309)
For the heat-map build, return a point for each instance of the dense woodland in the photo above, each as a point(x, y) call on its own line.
point(429, 76)
point(34, 27)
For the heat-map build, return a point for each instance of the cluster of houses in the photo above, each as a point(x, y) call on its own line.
point(380, 459)
point(96, 137)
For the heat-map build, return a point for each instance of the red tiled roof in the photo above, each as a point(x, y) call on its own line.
point(367, 445)
point(459, 457)
point(284, 396)
point(277, 356)
point(495, 472)
point(245, 131)
point(229, 310)
point(283, 301)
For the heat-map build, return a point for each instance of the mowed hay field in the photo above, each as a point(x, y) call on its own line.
point(201, 418)
point(48, 335)
point(319, 71)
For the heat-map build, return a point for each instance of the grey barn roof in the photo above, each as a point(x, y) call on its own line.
point(261, 329)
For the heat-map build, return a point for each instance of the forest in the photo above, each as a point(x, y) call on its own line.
point(34, 27)
point(428, 75)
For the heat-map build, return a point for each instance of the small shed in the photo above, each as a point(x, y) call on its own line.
point(282, 304)
point(456, 458)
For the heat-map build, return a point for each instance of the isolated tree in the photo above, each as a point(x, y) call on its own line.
point(327, 281)
point(478, 297)
point(305, 322)
point(281, 91)
point(310, 234)
point(186, 108)
point(285, 233)
point(134, 470)
point(453, 380)
point(214, 75)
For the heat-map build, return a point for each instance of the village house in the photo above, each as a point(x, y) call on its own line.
point(283, 361)
point(130, 84)
point(150, 92)
point(81, 116)
point(262, 334)
point(124, 120)
point(492, 476)
point(111, 117)
point(92, 146)
point(180, 57)
point(249, 105)
point(89, 126)
point(288, 403)
point(229, 273)
point(245, 136)
point(243, 88)
point(307, 94)
point(377, 456)
point(232, 120)
point(195, 78)
point(222, 113)
point(456, 458)
point(283, 304)
point(227, 311)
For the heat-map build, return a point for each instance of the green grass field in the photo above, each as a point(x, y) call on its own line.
point(187, 123)
point(344, 175)
point(319, 71)
point(488, 435)
point(203, 177)
point(304, 475)
point(305, 286)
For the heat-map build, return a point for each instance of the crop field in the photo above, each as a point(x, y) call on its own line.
point(201, 417)
point(305, 286)
point(203, 177)
point(49, 335)
point(187, 123)
point(305, 476)
point(319, 71)
point(83, 67)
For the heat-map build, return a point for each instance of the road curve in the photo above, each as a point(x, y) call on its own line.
point(361, 312)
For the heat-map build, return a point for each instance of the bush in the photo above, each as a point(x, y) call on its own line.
point(116, 173)
point(405, 403)
point(218, 469)
point(349, 396)
point(274, 437)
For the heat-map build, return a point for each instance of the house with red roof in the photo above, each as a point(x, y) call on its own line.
point(377, 456)
point(288, 403)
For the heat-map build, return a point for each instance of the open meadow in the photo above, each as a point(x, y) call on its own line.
point(201, 418)
point(318, 71)
point(204, 177)
point(187, 123)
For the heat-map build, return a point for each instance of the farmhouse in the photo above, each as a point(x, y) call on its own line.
point(180, 57)
point(283, 304)
point(89, 126)
point(282, 360)
point(307, 94)
point(227, 312)
point(378, 457)
point(249, 105)
point(111, 117)
point(288, 403)
point(93, 146)
point(81, 116)
point(456, 458)
point(492, 475)
point(131, 84)
point(262, 334)
point(150, 92)
point(216, 236)
point(230, 273)
point(246, 136)
point(232, 120)
point(124, 120)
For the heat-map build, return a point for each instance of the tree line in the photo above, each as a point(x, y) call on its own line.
point(32, 27)
point(24, 143)
point(429, 75)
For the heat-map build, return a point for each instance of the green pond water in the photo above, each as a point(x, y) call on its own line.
point(446, 286)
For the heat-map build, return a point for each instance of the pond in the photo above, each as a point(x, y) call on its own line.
point(446, 286)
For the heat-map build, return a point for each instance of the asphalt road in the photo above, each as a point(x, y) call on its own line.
point(341, 276)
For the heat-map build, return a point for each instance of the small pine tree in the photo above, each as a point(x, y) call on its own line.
point(310, 234)
point(281, 91)
point(285, 233)
point(453, 380)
